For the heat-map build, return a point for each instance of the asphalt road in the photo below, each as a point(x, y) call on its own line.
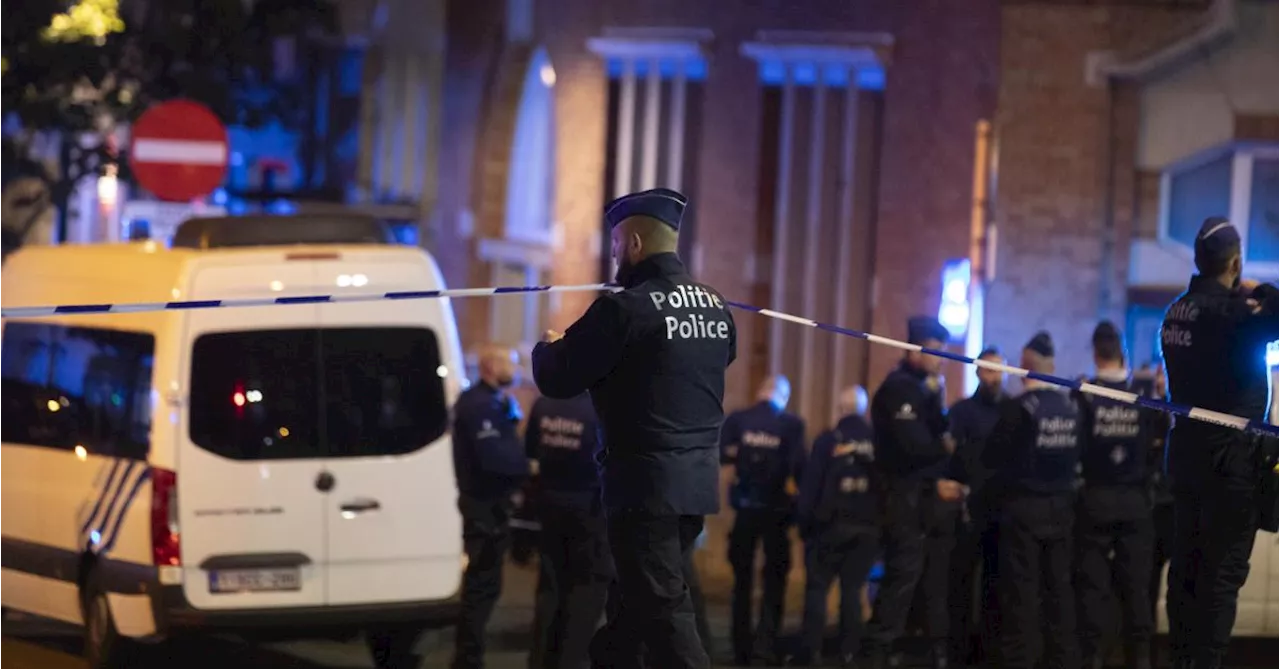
point(29, 643)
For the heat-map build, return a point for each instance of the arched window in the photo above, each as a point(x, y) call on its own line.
point(531, 176)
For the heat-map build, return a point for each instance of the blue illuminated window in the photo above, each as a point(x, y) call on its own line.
point(953, 309)
point(1264, 242)
point(1196, 194)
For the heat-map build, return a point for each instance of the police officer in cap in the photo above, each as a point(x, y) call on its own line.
point(574, 565)
point(490, 465)
point(1114, 512)
point(654, 357)
point(912, 447)
point(1214, 340)
point(971, 421)
point(765, 446)
point(839, 517)
point(1034, 450)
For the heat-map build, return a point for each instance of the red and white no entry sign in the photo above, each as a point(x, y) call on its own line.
point(178, 150)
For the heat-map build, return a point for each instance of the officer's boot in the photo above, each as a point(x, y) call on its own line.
point(1139, 653)
point(1093, 661)
point(849, 661)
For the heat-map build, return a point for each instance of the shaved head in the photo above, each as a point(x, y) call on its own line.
point(852, 401)
point(498, 364)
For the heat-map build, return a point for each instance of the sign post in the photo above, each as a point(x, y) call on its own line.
point(178, 150)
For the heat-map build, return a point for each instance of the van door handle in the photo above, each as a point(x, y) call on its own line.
point(360, 506)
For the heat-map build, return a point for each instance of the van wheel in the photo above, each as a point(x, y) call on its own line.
point(393, 648)
point(104, 648)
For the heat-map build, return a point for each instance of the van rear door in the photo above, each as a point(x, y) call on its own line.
point(251, 462)
point(394, 531)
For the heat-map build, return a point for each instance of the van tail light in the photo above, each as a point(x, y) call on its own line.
point(165, 544)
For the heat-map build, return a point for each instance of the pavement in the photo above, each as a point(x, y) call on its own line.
point(30, 643)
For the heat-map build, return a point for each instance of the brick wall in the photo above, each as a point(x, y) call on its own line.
point(1067, 168)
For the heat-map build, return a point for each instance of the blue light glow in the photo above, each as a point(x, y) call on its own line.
point(953, 310)
point(1273, 354)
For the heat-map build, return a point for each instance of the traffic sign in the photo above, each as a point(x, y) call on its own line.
point(178, 150)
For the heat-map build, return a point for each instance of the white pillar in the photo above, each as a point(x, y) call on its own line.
point(845, 221)
point(626, 130)
point(649, 146)
point(675, 134)
point(813, 240)
point(781, 213)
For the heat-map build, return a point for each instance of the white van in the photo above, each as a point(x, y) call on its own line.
point(271, 469)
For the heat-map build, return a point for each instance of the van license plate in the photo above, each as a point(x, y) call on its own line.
point(254, 580)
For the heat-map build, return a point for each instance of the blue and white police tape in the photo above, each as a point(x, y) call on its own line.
point(1195, 413)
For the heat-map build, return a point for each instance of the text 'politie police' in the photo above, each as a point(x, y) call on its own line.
point(691, 324)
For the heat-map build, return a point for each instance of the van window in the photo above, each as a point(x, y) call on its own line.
point(74, 386)
point(310, 393)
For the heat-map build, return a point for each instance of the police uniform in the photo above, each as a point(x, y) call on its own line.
point(1214, 344)
point(653, 357)
point(1034, 451)
point(489, 464)
point(575, 567)
point(1156, 433)
point(909, 423)
point(1113, 517)
point(765, 445)
point(839, 516)
point(971, 421)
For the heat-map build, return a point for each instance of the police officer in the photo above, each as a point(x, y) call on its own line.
point(1114, 512)
point(654, 358)
point(1214, 340)
point(907, 414)
point(765, 446)
point(971, 421)
point(839, 517)
point(1034, 451)
point(490, 465)
point(575, 568)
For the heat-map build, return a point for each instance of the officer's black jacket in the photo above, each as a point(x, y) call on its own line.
point(1214, 346)
point(766, 446)
point(839, 482)
point(654, 357)
point(971, 421)
point(488, 458)
point(1113, 435)
point(909, 422)
point(1035, 445)
point(562, 435)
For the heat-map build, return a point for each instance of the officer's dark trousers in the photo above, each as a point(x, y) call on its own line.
point(614, 605)
point(573, 581)
point(974, 566)
point(1037, 606)
point(486, 538)
point(919, 532)
point(656, 611)
point(750, 528)
point(839, 550)
point(1215, 522)
point(1162, 523)
point(1114, 520)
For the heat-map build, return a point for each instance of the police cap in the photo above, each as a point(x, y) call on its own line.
point(923, 328)
point(1042, 344)
point(662, 204)
point(1217, 239)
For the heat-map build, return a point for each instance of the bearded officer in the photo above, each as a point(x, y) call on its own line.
point(1214, 339)
point(910, 425)
point(490, 465)
point(1114, 512)
point(653, 357)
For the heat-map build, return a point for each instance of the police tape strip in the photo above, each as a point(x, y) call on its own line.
point(1205, 415)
